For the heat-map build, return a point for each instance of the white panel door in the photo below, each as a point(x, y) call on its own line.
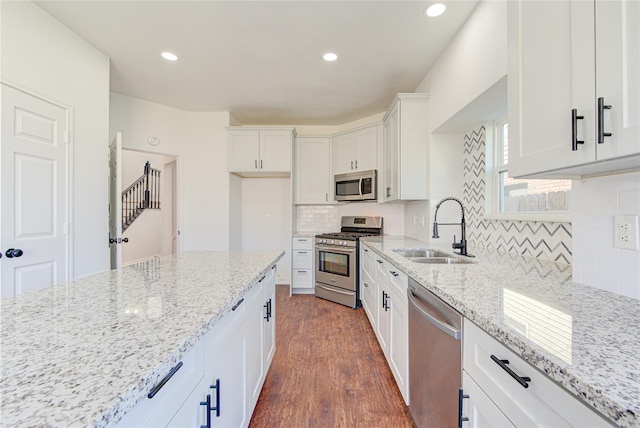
point(366, 149)
point(115, 201)
point(34, 197)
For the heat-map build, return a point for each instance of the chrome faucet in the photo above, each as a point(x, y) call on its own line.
point(462, 245)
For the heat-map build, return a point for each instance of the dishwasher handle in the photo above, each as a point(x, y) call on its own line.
point(444, 327)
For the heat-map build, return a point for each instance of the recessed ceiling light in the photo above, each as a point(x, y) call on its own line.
point(436, 9)
point(169, 56)
point(330, 56)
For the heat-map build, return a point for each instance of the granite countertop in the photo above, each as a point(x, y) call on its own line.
point(584, 338)
point(83, 353)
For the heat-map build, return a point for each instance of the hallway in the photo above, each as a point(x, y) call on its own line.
point(328, 370)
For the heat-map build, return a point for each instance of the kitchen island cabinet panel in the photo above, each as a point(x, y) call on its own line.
point(160, 409)
point(126, 329)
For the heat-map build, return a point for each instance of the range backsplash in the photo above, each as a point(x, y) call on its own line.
point(542, 239)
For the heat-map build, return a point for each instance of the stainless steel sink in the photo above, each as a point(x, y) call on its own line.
point(421, 253)
point(431, 256)
point(440, 260)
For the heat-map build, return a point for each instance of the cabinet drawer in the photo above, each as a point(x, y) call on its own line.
point(479, 410)
point(302, 278)
point(302, 243)
point(302, 259)
point(542, 403)
point(398, 282)
point(160, 409)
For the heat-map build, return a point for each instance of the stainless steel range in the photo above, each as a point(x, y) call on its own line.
point(337, 264)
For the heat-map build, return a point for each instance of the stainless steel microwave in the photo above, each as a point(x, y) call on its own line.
point(356, 186)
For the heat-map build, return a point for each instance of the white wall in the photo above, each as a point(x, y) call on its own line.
point(41, 55)
point(145, 238)
point(473, 61)
point(266, 219)
point(596, 261)
point(199, 141)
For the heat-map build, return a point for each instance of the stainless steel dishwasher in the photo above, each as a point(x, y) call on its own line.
point(435, 359)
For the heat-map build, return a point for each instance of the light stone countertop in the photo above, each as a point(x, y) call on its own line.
point(587, 339)
point(83, 353)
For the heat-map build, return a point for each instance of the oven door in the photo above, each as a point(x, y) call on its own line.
point(336, 266)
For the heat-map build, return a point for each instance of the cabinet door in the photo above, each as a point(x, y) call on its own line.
point(617, 75)
point(398, 343)
point(244, 148)
point(275, 151)
point(391, 142)
point(226, 358)
point(313, 170)
point(162, 407)
point(366, 149)
point(551, 71)
point(344, 153)
point(269, 325)
point(255, 349)
point(368, 296)
point(479, 410)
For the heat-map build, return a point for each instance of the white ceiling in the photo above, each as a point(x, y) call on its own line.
point(262, 60)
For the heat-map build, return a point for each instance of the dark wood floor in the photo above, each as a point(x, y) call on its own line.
point(328, 370)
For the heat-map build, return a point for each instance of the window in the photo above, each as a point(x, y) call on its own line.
point(524, 199)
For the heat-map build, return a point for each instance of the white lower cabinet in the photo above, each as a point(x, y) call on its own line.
point(526, 397)
point(170, 392)
point(220, 380)
point(383, 291)
point(302, 269)
point(478, 410)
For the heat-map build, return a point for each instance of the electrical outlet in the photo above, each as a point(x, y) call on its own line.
point(626, 232)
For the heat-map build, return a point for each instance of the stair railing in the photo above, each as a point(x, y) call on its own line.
point(144, 193)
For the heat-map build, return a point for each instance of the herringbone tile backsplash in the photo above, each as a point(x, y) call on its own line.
point(542, 239)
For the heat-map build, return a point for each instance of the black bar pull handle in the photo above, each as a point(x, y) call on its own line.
point(461, 418)
point(574, 129)
point(601, 108)
point(164, 380)
point(237, 304)
point(522, 380)
point(217, 406)
point(267, 306)
point(207, 403)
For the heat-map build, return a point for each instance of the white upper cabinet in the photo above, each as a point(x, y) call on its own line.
point(406, 149)
point(313, 170)
point(574, 91)
point(260, 152)
point(356, 150)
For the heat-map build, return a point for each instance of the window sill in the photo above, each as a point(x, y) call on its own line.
point(559, 217)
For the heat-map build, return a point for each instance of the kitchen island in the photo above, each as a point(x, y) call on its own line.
point(583, 338)
point(85, 352)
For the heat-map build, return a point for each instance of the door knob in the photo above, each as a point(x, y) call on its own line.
point(13, 252)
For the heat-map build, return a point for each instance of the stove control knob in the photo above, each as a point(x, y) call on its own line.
point(332, 241)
